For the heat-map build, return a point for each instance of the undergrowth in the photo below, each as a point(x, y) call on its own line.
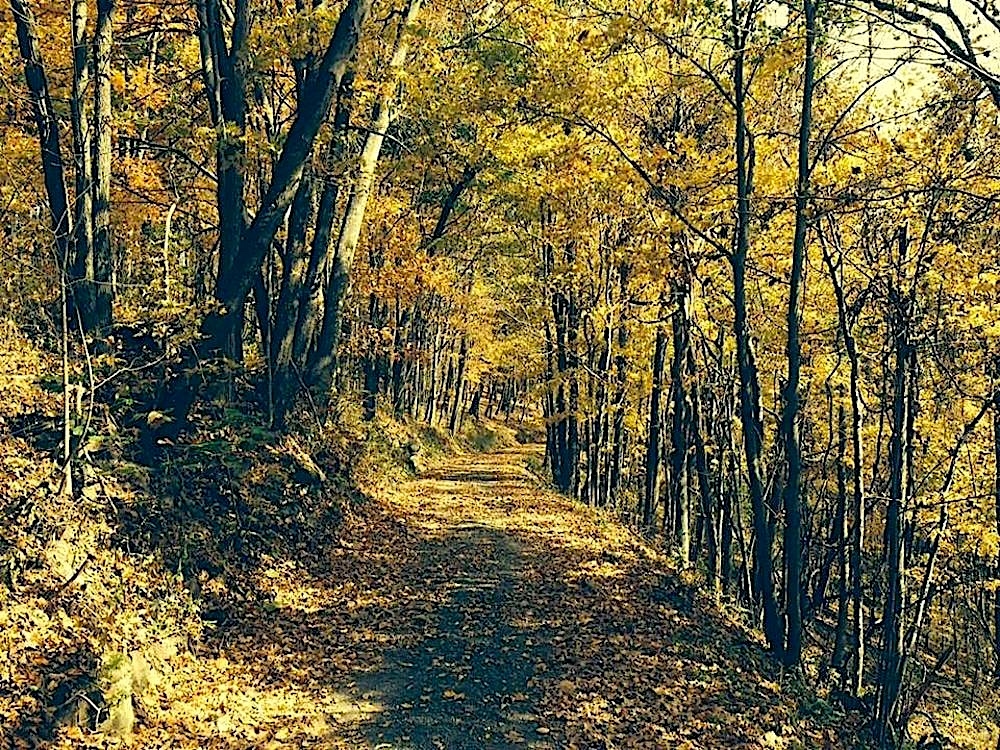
point(105, 593)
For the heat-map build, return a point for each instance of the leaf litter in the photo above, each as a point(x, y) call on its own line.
point(467, 608)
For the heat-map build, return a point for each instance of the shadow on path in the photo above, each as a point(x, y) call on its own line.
point(467, 683)
point(469, 610)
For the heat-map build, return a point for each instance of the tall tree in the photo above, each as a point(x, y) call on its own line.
point(790, 416)
point(82, 230)
point(325, 351)
point(240, 266)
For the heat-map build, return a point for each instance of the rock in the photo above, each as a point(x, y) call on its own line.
point(121, 718)
point(307, 471)
point(116, 686)
point(416, 458)
point(143, 676)
point(123, 680)
point(417, 464)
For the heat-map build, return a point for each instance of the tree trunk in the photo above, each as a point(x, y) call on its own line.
point(370, 397)
point(891, 676)
point(291, 297)
point(749, 387)
point(708, 502)
point(233, 287)
point(456, 407)
point(46, 128)
point(103, 262)
point(477, 400)
point(224, 75)
point(653, 447)
point(430, 411)
point(856, 559)
point(82, 273)
point(619, 435)
point(321, 249)
point(790, 417)
point(841, 541)
point(321, 366)
point(680, 421)
point(996, 501)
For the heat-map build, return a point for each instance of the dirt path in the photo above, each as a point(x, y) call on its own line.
point(469, 608)
point(468, 682)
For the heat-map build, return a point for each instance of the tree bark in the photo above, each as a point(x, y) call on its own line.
point(709, 513)
point(653, 447)
point(46, 128)
point(680, 423)
point(890, 681)
point(234, 285)
point(996, 505)
point(749, 387)
point(224, 76)
point(456, 407)
point(83, 232)
point(103, 261)
point(321, 367)
point(858, 514)
point(790, 417)
point(321, 250)
point(619, 432)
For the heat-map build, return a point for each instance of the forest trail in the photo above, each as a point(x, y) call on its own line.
point(469, 681)
point(469, 608)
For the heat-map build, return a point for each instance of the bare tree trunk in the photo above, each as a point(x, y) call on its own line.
point(83, 235)
point(321, 366)
point(708, 502)
point(749, 387)
point(653, 447)
point(790, 418)
point(996, 496)
point(891, 676)
point(291, 298)
point(839, 656)
point(619, 432)
point(858, 528)
point(46, 127)
point(224, 73)
point(456, 407)
point(857, 478)
point(434, 376)
point(680, 421)
point(233, 286)
point(444, 399)
point(67, 436)
point(477, 400)
point(321, 251)
point(103, 262)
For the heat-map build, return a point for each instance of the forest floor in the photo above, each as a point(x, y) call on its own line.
point(227, 601)
point(471, 608)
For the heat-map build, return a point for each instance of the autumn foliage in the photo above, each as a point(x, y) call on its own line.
point(294, 293)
